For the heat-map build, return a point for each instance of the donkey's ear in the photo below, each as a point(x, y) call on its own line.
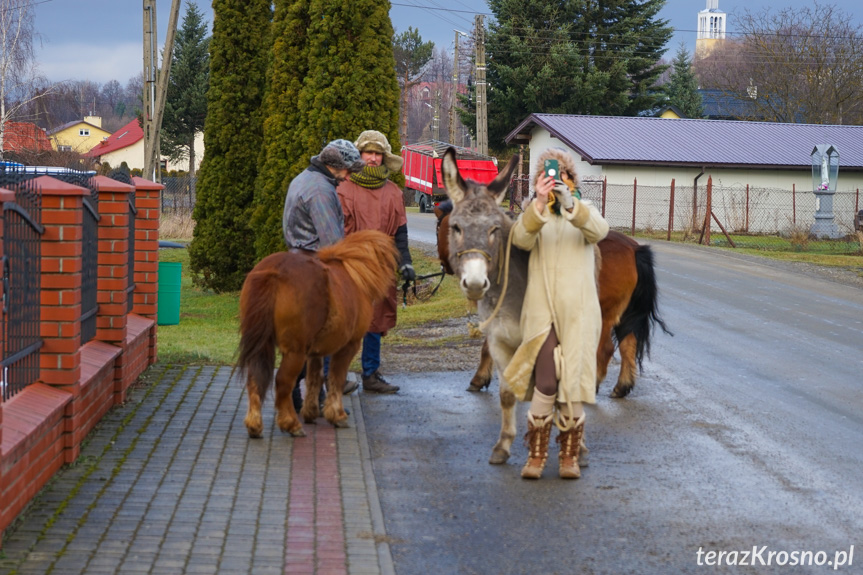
point(452, 180)
point(500, 185)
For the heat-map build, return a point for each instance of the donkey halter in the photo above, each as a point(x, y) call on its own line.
point(502, 273)
point(474, 251)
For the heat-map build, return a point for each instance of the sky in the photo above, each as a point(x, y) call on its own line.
point(101, 40)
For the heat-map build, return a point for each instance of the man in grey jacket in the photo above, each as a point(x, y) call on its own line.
point(313, 216)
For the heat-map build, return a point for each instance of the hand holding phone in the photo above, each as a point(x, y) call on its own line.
point(552, 169)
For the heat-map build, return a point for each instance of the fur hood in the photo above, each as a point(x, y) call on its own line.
point(563, 157)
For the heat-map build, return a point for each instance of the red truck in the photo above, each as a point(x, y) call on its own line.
point(422, 170)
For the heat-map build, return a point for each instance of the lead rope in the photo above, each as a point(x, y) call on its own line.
point(496, 309)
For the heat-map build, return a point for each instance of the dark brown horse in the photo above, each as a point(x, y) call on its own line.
point(474, 248)
point(308, 306)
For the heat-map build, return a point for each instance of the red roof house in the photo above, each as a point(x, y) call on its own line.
point(124, 145)
point(25, 137)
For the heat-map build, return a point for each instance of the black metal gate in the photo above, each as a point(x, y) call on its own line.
point(89, 266)
point(21, 288)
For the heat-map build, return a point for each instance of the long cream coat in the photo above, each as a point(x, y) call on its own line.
point(561, 291)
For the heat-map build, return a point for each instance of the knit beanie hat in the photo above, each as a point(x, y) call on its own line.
point(341, 154)
point(374, 141)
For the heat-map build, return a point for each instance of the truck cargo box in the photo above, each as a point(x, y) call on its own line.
point(422, 170)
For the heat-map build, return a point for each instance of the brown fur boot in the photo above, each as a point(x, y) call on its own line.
point(536, 438)
point(570, 445)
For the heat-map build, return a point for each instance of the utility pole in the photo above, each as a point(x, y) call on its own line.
point(155, 83)
point(453, 89)
point(481, 103)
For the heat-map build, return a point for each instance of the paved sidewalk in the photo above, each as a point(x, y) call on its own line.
point(170, 483)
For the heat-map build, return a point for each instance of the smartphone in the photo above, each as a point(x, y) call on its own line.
point(552, 169)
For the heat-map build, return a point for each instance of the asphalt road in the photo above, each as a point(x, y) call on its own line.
point(422, 228)
point(743, 431)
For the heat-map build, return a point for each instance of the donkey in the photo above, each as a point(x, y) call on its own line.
point(478, 244)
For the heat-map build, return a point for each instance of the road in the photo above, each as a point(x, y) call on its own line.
point(422, 228)
point(744, 430)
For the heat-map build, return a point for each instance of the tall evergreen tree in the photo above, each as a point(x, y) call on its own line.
point(220, 253)
point(344, 69)
point(351, 84)
point(582, 57)
point(186, 103)
point(287, 67)
point(683, 85)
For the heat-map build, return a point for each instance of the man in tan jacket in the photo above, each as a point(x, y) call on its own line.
point(371, 201)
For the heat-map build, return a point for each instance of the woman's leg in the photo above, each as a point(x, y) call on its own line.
point(544, 372)
point(541, 412)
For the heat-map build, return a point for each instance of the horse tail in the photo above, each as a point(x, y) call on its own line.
point(257, 356)
point(642, 314)
point(369, 257)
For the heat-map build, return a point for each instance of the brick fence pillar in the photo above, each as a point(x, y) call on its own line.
point(62, 249)
point(148, 201)
point(113, 260)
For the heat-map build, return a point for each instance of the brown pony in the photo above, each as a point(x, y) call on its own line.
point(476, 233)
point(308, 306)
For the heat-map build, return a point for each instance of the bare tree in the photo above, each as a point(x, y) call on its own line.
point(801, 65)
point(411, 55)
point(19, 82)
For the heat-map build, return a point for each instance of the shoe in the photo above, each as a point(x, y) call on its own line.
point(571, 442)
point(375, 383)
point(351, 386)
point(536, 438)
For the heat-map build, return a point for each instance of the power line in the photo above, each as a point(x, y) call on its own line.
point(36, 3)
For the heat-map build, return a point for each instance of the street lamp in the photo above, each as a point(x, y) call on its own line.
point(825, 173)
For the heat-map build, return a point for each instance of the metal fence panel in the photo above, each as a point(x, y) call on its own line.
point(21, 287)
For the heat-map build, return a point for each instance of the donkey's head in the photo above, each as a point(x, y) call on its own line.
point(478, 228)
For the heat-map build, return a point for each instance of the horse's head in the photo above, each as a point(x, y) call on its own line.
point(478, 228)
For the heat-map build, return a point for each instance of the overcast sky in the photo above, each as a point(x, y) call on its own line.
point(101, 40)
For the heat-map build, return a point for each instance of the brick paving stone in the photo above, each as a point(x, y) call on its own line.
point(169, 482)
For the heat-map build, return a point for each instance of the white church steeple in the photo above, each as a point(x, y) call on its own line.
point(711, 28)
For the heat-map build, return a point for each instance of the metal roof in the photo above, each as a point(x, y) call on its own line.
point(690, 142)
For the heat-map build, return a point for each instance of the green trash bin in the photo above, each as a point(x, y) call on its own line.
point(169, 293)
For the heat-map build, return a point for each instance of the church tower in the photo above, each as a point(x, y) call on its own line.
point(711, 29)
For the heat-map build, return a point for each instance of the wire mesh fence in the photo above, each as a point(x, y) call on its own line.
point(178, 203)
point(719, 215)
point(178, 197)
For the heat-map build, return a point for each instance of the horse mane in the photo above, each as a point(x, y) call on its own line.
point(369, 257)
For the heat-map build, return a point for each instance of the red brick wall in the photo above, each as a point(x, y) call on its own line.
point(42, 427)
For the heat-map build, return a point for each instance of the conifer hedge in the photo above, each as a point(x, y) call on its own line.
point(221, 253)
point(288, 65)
point(342, 55)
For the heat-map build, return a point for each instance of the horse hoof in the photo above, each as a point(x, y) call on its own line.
point(478, 385)
point(255, 434)
point(341, 424)
point(621, 391)
point(498, 457)
point(298, 432)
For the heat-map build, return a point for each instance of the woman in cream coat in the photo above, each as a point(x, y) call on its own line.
point(555, 366)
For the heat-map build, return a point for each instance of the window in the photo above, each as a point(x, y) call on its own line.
point(64, 148)
point(84, 132)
